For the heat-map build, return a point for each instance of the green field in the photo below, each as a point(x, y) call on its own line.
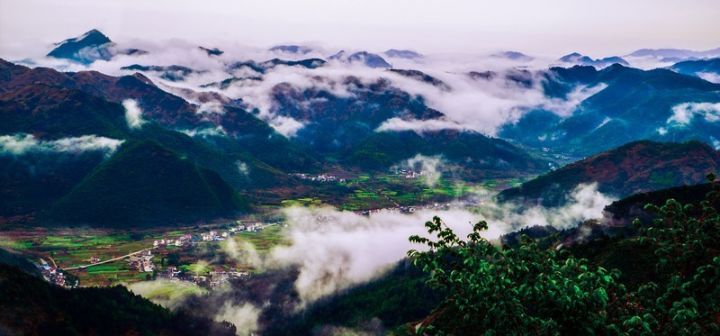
point(306, 201)
point(165, 292)
point(105, 268)
point(264, 240)
point(6, 242)
point(201, 267)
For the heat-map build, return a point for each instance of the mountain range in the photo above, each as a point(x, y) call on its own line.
point(632, 104)
point(231, 152)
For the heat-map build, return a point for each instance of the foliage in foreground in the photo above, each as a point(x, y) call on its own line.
point(531, 290)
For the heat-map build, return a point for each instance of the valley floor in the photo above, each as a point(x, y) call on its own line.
point(204, 253)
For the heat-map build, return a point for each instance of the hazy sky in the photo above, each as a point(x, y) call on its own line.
point(546, 27)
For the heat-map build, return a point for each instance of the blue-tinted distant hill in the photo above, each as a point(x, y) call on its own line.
point(675, 55)
point(86, 48)
point(403, 53)
point(90, 47)
point(633, 105)
point(579, 59)
point(362, 57)
point(698, 67)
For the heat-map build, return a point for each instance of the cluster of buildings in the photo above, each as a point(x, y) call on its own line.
point(250, 227)
point(218, 278)
point(142, 262)
point(183, 240)
point(408, 209)
point(55, 276)
point(319, 178)
point(215, 278)
point(409, 173)
point(212, 235)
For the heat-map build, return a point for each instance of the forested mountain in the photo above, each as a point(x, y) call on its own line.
point(632, 168)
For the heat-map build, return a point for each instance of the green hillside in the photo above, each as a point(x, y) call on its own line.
point(145, 183)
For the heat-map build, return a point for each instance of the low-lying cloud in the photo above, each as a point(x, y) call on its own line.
point(684, 113)
point(428, 167)
point(337, 249)
point(244, 317)
point(710, 76)
point(19, 144)
point(133, 114)
point(482, 105)
point(330, 250)
point(243, 252)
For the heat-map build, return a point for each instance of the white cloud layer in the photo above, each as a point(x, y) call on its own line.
point(429, 167)
point(684, 113)
point(20, 144)
point(481, 105)
point(133, 114)
point(336, 249)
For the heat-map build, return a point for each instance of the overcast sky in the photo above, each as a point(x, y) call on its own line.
point(548, 27)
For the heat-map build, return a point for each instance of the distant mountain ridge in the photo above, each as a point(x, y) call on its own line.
point(675, 55)
point(579, 59)
point(403, 53)
point(632, 168)
point(368, 59)
point(631, 104)
point(700, 68)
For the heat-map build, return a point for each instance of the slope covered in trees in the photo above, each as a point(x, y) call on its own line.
point(632, 168)
point(534, 290)
point(31, 306)
point(145, 183)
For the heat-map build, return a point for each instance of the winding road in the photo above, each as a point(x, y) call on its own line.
point(107, 261)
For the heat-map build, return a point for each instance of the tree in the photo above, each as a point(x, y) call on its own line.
point(523, 290)
point(532, 290)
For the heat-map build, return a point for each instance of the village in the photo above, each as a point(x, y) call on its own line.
point(409, 174)
point(146, 262)
point(142, 261)
point(217, 277)
point(54, 275)
point(318, 178)
point(408, 209)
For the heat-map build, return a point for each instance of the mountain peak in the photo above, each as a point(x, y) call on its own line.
point(212, 51)
point(95, 32)
point(580, 59)
point(291, 49)
point(403, 53)
point(514, 55)
point(92, 36)
point(85, 48)
point(369, 59)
